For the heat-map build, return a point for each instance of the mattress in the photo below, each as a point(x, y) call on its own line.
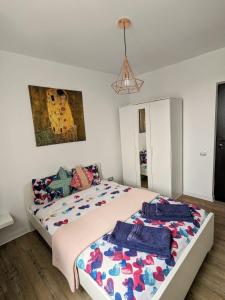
point(128, 274)
point(66, 210)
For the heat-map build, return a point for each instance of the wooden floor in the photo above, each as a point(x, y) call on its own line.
point(26, 271)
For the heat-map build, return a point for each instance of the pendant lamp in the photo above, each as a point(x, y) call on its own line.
point(126, 82)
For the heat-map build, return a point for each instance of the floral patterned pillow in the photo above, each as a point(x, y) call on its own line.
point(82, 178)
point(94, 170)
point(96, 176)
point(143, 157)
point(57, 186)
point(41, 194)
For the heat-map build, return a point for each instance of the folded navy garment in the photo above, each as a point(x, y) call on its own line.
point(141, 238)
point(167, 212)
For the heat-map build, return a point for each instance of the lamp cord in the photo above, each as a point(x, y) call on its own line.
point(124, 40)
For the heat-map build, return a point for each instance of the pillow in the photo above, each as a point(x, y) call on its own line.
point(143, 157)
point(62, 183)
point(94, 170)
point(52, 187)
point(82, 178)
point(64, 174)
point(96, 176)
point(41, 195)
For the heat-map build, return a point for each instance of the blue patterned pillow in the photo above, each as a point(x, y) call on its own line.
point(62, 183)
point(52, 187)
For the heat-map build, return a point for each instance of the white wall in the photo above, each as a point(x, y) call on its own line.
point(21, 160)
point(195, 81)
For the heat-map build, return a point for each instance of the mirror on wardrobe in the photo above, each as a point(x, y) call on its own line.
point(142, 149)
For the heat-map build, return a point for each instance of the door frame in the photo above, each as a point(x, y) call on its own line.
point(215, 130)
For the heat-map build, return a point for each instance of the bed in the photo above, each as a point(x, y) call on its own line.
point(190, 258)
point(179, 275)
point(46, 219)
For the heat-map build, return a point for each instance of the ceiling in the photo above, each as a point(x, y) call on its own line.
point(83, 32)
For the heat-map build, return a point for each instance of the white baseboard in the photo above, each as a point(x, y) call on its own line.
point(9, 236)
point(203, 197)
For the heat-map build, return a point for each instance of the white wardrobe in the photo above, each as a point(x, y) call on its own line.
point(151, 143)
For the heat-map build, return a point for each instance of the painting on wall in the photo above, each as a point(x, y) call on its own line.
point(58, 115)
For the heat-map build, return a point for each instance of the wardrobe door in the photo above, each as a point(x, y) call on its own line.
point(176, 117)
point(161, 146)
point(128, 146)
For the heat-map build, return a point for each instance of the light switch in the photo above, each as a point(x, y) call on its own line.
point(203, 153)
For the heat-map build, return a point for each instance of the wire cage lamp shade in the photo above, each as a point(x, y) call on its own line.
point(126, 82)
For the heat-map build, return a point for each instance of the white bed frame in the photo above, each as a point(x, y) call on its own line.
point(179, 280)
point(36, 223)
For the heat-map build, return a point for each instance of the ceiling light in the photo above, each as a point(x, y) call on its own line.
point(126, 82)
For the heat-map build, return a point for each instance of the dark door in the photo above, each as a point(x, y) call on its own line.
point(219, 188)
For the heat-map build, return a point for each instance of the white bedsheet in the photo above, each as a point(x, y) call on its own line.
point(68, 209)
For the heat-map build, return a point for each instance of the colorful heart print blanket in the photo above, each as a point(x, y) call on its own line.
point(131, 275)
point(66, 210)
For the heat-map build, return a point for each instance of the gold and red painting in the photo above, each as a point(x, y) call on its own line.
point(58, 115)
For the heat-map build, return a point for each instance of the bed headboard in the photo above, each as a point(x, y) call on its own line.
point(28, 195)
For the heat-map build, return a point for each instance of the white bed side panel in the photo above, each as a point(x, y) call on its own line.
point(37, 225)
point(91, 287)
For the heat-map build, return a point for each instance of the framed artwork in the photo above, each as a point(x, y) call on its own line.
point(58, 115)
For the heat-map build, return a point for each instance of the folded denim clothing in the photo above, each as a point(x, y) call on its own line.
point(142, 238)
point(167, 212)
